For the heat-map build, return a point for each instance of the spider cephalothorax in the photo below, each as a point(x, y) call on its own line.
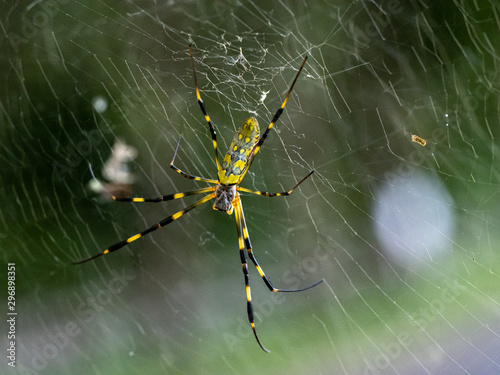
point(224, 197)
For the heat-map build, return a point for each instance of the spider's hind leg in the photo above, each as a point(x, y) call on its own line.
point(241, 234)
point(251, 255)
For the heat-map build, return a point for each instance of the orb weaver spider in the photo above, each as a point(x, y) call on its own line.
point(242, 151)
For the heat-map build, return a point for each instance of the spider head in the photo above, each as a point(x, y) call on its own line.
point(224, 197)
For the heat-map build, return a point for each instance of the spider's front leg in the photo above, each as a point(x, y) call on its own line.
point(161, 224)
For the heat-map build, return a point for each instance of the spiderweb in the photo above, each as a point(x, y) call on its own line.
point(94, 96)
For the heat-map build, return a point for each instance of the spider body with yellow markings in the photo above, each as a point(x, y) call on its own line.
point(244, 147)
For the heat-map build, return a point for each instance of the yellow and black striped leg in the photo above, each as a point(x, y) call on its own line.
point(187, 175)
point(278, 112)
point(241, 231)
point(202, 107)
point(165, 198)
point(159, 225)
point(266, 194)
point(248, 245)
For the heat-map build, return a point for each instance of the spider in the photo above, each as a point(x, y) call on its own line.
point(226, 192)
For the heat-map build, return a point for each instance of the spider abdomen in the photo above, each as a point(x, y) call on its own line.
point(237, 158)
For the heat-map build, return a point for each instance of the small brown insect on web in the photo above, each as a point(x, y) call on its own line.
point(415, 138)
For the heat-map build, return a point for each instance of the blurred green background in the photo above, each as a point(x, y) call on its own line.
point(405, 236)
